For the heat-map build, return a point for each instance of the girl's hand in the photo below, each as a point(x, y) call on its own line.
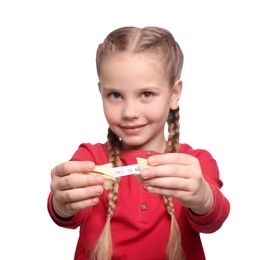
point(180, 176)
point(73, 189)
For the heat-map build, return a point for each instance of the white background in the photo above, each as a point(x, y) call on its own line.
point(49, 104)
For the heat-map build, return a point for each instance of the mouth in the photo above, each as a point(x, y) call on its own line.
point(132, 129)
point(131, 126)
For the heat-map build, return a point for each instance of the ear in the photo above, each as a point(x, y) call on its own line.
point(176, 93)
point(99, 86)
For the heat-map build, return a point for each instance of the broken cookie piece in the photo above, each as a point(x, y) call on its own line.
point(142, 164)
point(106, 171)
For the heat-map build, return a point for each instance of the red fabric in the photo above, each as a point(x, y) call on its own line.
point(143, 233)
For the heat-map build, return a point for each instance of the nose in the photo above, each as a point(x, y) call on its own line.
point(130, 110)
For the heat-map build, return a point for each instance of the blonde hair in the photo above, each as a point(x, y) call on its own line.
point(160, 43)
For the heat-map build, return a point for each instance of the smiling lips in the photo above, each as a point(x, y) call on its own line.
point(132, 129)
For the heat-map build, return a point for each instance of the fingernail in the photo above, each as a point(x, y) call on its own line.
point(145, 173)
point(90, 165)
point(149, 188)
point(151, 160)
point(98, 189)
point(95, 201)
point(99, 179)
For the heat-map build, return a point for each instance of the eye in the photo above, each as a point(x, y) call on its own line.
point(115, 95)
point(147, 94)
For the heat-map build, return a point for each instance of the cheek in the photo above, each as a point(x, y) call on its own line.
point(158, 112)
point(107, 113)
point(110, 113)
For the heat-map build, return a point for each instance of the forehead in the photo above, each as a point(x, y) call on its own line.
point(127, 64)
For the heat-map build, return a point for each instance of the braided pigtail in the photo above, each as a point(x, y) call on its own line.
point(174, 132)
point(113, 148)
point(103, 247)
point(174, 249)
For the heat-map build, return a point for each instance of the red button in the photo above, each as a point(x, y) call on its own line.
point(143, 207)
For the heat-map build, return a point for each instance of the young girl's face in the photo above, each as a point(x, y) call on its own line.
point(136, 99)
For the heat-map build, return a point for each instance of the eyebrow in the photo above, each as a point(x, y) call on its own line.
point(146, 88)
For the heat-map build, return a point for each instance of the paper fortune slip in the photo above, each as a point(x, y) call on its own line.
point(120, 171)
point(126, 170)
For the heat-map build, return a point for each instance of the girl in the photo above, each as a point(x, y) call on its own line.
point(139, 73)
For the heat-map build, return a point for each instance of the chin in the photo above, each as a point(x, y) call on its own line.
point(132, 146)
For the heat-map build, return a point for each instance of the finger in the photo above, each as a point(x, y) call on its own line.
point(169, 183)
point(78, 180)
point(171, 158)
point(80, 194)
point(169, 170)
point(83, 204)
point(180, 194)
point(69, 167)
